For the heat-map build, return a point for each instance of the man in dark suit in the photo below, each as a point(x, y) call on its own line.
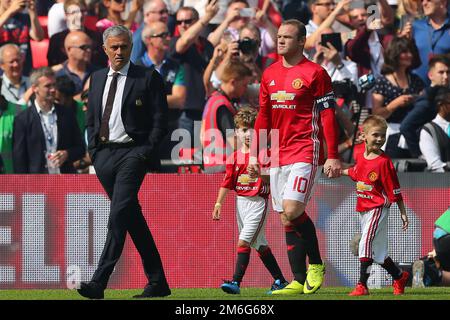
point(46, 136)
point(126, 120)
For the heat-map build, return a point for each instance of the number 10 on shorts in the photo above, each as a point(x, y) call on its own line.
point(300, 184)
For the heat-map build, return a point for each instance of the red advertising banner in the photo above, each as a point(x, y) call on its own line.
point(53, 227)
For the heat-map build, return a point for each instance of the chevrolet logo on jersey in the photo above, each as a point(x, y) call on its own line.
point(282, 96)
point(245, 179)
point(361, 186)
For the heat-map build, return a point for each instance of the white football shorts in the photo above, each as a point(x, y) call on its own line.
point(252, 215)
point(293, 182)
point(374, 238)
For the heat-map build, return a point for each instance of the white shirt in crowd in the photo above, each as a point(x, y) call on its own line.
point(348, 71)
point(12, 93)
point(117, 132)
point(56, 19)
point(50, 129)
point(428, 146)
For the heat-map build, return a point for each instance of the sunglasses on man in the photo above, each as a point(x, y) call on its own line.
point(83, 47)
point(160, 35)
point(187, 21)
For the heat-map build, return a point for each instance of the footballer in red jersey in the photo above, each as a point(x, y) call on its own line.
point(377, 187)
point(297, 108)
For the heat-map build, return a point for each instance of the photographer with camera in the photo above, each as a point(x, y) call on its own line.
point(239, 14)
point(244, 50)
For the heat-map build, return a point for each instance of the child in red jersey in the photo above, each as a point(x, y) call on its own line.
point(252, 207)
point(377, 187)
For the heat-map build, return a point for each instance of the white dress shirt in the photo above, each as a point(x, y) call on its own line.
point(348, 71)
point(429, 148)
point(50, 129)
point(117, 132)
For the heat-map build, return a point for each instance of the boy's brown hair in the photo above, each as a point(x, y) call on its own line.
point(374, 121)
point(245, 117)
point(235, 70)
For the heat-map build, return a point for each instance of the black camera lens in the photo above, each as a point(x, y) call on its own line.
point(247, 46)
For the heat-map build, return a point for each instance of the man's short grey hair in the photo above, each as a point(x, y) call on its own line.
point(115, 31)
point(149, 3)
point(8, 45)
point(39, 73)
point(149, 30)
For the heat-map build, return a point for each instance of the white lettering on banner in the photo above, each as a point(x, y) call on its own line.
point(82, 239)
point(33, 241)
point(7, 273)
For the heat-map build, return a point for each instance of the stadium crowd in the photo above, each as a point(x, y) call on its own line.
point(385, 57)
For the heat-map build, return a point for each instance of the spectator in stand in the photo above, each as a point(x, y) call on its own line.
point(435, 135)
point(431, 34)
point(395, 92)
point(366, 48)
point(18, 27)
point(115, 9)
point(46, 137)
point(236, 20)
point(15, 86)
point(217, 132)
point(154, 10)
point(411, 8)
point(156, 37)
point(324, 14)
point(56, 18)
point(424, 109)
point(75, 11)
point(78, 66)
point(8, 111)
point(193, 52)
point(64, 96)
point(246, 51)
point(330, 59)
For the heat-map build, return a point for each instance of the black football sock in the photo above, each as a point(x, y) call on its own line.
point(392, 269)
point(304, 225)
point(271, 264)
point(366, 265)
point(296, 254)
point(243, 258)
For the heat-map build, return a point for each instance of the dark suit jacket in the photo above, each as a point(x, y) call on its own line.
point(29, 141)
point(144, 109)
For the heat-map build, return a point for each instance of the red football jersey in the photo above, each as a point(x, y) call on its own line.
point(291, 101)
point(376, 182)
point(238, 179)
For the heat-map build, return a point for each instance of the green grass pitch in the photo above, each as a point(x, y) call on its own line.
point(327, 293)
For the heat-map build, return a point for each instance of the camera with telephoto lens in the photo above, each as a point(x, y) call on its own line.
point(344, 89)
point(247, 46)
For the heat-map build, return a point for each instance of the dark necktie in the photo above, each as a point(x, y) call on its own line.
point(104, 128)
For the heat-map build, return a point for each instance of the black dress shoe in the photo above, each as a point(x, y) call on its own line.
point(153, 292)
point(91, 290)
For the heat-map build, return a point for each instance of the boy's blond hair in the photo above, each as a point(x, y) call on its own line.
point(374, 121)
point(245, 117)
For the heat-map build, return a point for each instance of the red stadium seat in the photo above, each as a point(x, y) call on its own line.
point(90, 21)
point(39, 53)
point(43, 21)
